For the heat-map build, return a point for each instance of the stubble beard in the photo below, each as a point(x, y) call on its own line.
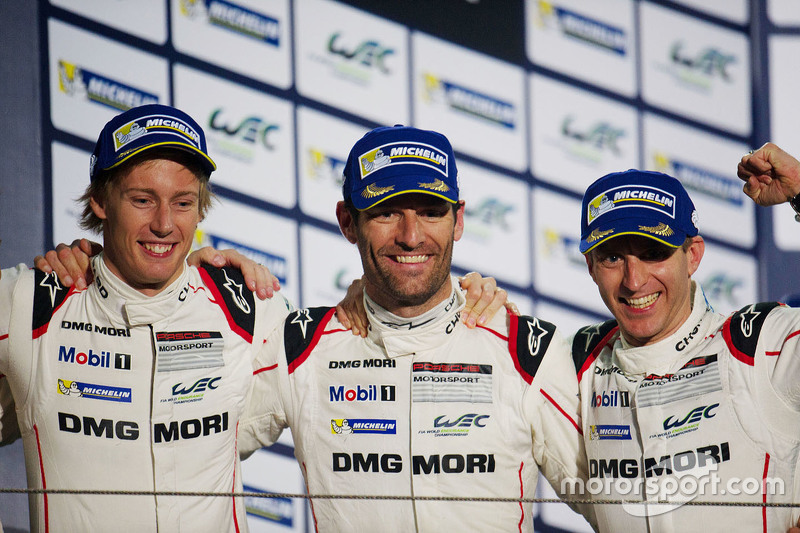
point(399, 291)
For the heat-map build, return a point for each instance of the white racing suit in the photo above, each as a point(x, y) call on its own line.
point(118, 391)
point(705, 414)
point(423, 407)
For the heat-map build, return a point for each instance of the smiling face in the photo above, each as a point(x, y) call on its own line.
point(406, 247)
point(645, 284)
point(149, 219)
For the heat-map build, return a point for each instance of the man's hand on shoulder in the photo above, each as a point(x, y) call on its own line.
point(484, 300)
point(771, 175)
point(257, 277)
point(70, 262)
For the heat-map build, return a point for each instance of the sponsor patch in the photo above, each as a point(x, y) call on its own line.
point(403, 153)
point(609, 432)
point(192, 391)
point(347, 426)
point(451, 382)
point(698, 376)
point(187, 350)
point(365, 393)
point(445, 426)
point(79, 389)
point(136, 129)
point(628, 196)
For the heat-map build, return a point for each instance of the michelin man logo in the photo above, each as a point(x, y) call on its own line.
point(128, 133)
point(378, 160)
point(601, 204)
point(341, 427)
point(71, 390)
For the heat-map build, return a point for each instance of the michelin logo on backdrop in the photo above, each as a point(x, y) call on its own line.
point(701, 180)
point(79, 82)
point(468, 101)
point(323, 166)
point(583, 28)
point(279, 266)
point(233, 17)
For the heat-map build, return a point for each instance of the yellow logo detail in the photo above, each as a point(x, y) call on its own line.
point(371, 191)
point(596, 235)
point(437, 185)
point(661, 230)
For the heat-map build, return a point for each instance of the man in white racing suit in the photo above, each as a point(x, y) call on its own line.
point(680, 403)
point(422, 407)
point(137, 382)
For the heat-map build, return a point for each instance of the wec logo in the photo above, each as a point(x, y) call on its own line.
point(695, 415)
point(464, 421)
point(201, 385)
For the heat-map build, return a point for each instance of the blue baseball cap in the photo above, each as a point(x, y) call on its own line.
point(393, 160)
point(637, 202)
point(145, 127)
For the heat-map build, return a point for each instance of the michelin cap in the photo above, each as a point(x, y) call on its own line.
point(145, 127)
point(394, 160)
point(637, 202)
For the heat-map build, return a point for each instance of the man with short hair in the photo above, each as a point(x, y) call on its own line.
point(422, 407)
point(700, 406)
point(138, 381)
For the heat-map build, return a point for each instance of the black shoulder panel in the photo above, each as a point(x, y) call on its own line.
point(528, 341)
point(587, 340)
point(301, 332)
point(238, 301)
point(743, 328)
point(48, 295)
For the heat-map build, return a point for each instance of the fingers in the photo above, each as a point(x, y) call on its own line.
point(484, 299)
point(90, 248)
point(70, 264)
point(512, 308)
point(207, 254)
point(257, 277)
point(351, 312)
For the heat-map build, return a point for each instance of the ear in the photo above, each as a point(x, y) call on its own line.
point(458, 230)
point(346, 223)
point(98, 207)
point(694, 254)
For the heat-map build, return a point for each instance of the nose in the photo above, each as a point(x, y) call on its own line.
point(162, 223)
point(409, 232)
point(635, 275)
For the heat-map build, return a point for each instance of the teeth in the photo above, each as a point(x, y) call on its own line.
point(644, 301)
point(411, 258)
point(158, 248)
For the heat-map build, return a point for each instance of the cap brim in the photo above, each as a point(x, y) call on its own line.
point(373, 194)
point(611, 229)
point(207, 162)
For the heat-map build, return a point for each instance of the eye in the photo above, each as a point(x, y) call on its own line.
point(141, 201)
point(657, 254)
point(609, 259)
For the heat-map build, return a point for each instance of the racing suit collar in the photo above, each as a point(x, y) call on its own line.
point(660, 357)
point(404, 336)
point(121, 300)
